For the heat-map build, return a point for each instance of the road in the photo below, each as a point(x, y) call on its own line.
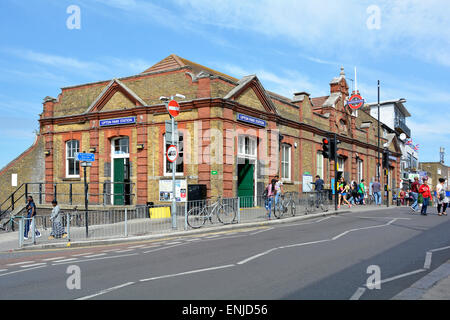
point(322, 258)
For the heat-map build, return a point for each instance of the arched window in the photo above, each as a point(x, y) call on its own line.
point(72, 165)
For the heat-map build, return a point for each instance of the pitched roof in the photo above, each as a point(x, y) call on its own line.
point(173, 62)
point(319, 101)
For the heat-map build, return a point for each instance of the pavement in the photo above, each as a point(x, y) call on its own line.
point(435, 285)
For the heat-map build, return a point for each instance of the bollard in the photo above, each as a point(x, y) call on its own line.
point(238, 210)
point(68, 226)
point(21, 231)
point(126, 222)
point(185, 215)
point(33, 229)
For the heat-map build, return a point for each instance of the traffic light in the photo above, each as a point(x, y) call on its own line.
point(385, 159)
point(334, 147)
point(326, 148)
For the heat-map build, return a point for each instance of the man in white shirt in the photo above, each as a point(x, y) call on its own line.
point(278, 189)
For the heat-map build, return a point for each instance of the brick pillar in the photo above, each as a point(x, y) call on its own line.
point(142, 158)
point(94, 187)
point(49, 159)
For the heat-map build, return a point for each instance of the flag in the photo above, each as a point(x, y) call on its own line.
point(416, 147)
point(409, 142)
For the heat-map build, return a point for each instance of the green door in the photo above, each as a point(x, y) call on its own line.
point(246, 184)
point(119, 175)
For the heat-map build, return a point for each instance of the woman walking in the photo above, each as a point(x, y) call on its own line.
point(425, 191)
point(442, 199)
point(57, 227)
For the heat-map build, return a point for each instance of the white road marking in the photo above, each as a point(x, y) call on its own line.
point(106, 291)
point(171, 243)
point(126, 250)
point(95, 255)
point(304, 243)
point(187, 272)
point(65, 260)
point(398, 277)
point(139, 246)
point(252, 234)
point(256, 256)
point(100, 258)
point(358, 293)
point(19, 263)
point(440, 249)
point(427, 263)
point(110, 250)
point(196, 239)
point(340, 235)
point(23, 270)
point(1, 270)
point(82, 254)
point(51, 259)
point(214, 236)
point(163, 248)
point(33, 265)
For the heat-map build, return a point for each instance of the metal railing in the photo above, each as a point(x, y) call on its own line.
point(157, 219)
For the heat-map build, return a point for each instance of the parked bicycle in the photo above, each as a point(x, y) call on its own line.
point(198, 215)
point(316, 200)
point(285, 204)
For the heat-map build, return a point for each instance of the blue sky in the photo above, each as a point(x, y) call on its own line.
point(290, 45)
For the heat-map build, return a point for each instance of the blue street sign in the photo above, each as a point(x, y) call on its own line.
point(250, 119)
point(90, 157)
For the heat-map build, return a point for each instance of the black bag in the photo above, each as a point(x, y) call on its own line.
point(265, 192)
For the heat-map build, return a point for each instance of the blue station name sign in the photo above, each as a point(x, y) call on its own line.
point(118, 121)
point(252, 120)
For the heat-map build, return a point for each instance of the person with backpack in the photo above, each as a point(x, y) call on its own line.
point(442, 199)
point(268, 194)
point(31, 212)
point(361, 191)
point(425, 191)
point(57, 226)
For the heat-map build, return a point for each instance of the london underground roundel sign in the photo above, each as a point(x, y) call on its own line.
point(173, 108)
point(355, 101)
point(172, 153)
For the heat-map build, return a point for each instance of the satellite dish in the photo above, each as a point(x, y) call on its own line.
point(403, 137)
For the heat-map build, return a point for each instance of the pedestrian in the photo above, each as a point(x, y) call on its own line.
point(340, 190)
point(270, 195)
point(415, 194)
point(278, 190)
point(441, 197)
point(353, 194)
point(344, 192)
point(31, 212)
point(361, 191)
point(57, 226)
point(376, 190)
point(318, 188)
point(401, 195)
point(425, 191)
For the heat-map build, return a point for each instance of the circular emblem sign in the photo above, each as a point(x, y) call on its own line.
point(172, 153)
point(173, 108)
point(355, 101)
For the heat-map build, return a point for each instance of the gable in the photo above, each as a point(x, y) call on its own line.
point(115, 96)
point(250, 99)
point(118, 102)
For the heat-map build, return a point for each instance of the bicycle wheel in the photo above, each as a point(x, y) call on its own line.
point(196, 217)
point(226, 214)
point(293, 208)
point(279, 210)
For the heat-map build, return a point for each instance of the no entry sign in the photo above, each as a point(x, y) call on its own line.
point(172, 153)
point(355, 101)
point(173, 108)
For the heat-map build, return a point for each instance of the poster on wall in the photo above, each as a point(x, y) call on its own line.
point(166, 194)
point(307, 183)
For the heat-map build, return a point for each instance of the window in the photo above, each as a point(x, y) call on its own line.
point(179, 162)
point(247, 146)
point(286, 162)
point(341, 163)
point(319, 162)
point(360, 170)
point(121, 146)
point(72, 165)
